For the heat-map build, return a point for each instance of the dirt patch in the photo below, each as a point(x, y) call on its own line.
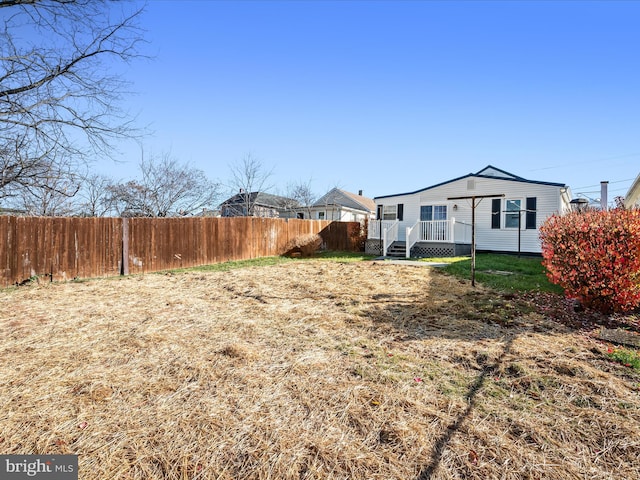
point(309, 370)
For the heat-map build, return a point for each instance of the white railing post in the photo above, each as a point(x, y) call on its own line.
point(412, 236)
point(407, 235)
point(434, 231)
point(390, 235)
point(384, 242)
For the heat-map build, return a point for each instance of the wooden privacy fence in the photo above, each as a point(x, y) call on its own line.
point(63, 248)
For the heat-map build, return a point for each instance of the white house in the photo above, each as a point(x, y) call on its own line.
point(632, 199)
point(340, 205)
point(437, 220)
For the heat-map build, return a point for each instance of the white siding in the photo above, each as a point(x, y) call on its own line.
point(503, 239)
point(333, 213)
point(632, 199)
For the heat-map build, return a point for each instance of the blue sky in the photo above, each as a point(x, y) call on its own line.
point(391, 97)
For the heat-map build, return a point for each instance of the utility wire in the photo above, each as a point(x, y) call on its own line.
point(614, 181)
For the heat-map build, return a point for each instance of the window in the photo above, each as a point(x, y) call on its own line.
point(321, 215)
point(300, 215)
point(433, 212)
point(512, 213)
point(389, 212)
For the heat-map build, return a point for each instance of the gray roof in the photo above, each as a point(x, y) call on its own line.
point(487, 172)
point(336, 196)
point(262, 199)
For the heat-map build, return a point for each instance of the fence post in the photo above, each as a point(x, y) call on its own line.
point(124, 267)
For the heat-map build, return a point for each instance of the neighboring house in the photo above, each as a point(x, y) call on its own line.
point(340, 205)
point(258, 204)
point(12, 212)
point(632, 199)
point(207, 212)
point(436, 221)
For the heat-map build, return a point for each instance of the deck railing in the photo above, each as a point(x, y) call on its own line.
point(461, 232)
point(377, 227)
point(412, 236)
point(437, 231)
point(445, 231)
point(389, 235)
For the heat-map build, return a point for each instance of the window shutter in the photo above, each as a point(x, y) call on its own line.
point(400, 211)
point(531, 213)
point(379, 212)
point(495, 212)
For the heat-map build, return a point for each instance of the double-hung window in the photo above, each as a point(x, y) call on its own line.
point(389, 212)
point(512, 213)
point(429, 213)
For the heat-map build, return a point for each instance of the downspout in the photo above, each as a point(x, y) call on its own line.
point(564, 194)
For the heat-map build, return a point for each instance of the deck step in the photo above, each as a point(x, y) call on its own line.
point(397, 249)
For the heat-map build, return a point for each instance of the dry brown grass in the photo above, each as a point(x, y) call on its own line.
point(308, 370)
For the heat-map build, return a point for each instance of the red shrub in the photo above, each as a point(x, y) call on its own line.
point(595, 257)
point(358, 233)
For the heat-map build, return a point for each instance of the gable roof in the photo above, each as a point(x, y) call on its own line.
point(490, 172)
point(336, 196)
point(262, 199)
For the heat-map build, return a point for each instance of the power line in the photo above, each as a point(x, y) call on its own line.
point(626, 155)
point(615, 181)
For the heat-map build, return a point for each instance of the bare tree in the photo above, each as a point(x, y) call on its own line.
point(131, 199)
point(94, 198)
point(249, 177)
point(53, 195)
point(167, 188)
point(302, 194)
point(58, 97)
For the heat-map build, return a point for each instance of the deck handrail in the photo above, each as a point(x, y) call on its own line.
point(436, 231)
point(376, 227)
point(462, 232)
point(389, 235)
point(444, 231)
point(412, 236)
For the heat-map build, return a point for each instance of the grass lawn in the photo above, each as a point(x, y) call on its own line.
point(322, 369)
point(505, 272)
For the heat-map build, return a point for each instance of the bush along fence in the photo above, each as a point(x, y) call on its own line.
point(62, 248)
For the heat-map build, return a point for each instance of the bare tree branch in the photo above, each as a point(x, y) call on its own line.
point(167, 189)
point(94, 198)
point(58, 99)
point(49, 192)
point(248, 178)
point(303, 195)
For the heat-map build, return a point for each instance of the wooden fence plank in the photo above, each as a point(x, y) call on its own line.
point(68, 248)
